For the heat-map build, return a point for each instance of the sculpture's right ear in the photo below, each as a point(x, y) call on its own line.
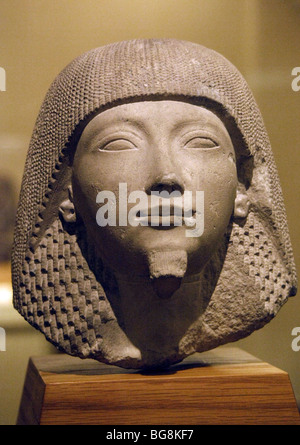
point(67, 209)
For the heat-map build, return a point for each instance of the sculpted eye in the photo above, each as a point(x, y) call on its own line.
point(201, 142)
point(118, 145)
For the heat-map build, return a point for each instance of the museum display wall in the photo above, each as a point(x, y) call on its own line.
point(40, 38)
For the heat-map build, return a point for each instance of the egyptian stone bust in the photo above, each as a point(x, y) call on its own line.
point(151, 223)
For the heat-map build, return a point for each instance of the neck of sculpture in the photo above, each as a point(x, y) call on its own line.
point(153, 324)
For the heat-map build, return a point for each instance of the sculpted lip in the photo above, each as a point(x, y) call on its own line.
point(164, 216)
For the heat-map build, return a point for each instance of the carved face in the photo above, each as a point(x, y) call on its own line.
point(163, 146)
point(155, 146)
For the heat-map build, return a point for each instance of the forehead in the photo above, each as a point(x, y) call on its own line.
point(153, 116)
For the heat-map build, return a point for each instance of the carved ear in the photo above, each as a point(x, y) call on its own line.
point(241, 203)
point(67, 209)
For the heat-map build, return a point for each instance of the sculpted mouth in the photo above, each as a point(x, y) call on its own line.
point(165, 216)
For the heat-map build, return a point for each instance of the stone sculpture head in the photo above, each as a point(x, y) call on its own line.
point(91, 269)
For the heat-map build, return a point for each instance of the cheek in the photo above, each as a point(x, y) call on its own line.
point(220, 199)
point(107, 171)
point(87, 182)
point(218, 180)
point(215, 174)
point(222, 181)
point(95, 173)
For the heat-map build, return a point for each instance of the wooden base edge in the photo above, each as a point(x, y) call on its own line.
point(204, 390)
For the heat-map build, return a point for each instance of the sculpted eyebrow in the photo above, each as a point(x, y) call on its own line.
point(117, 125)
point(136, 123)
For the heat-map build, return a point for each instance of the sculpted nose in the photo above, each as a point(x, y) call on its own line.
point(165, 168)
point(167, 182)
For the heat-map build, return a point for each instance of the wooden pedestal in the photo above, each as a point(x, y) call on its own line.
point(221, 387)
